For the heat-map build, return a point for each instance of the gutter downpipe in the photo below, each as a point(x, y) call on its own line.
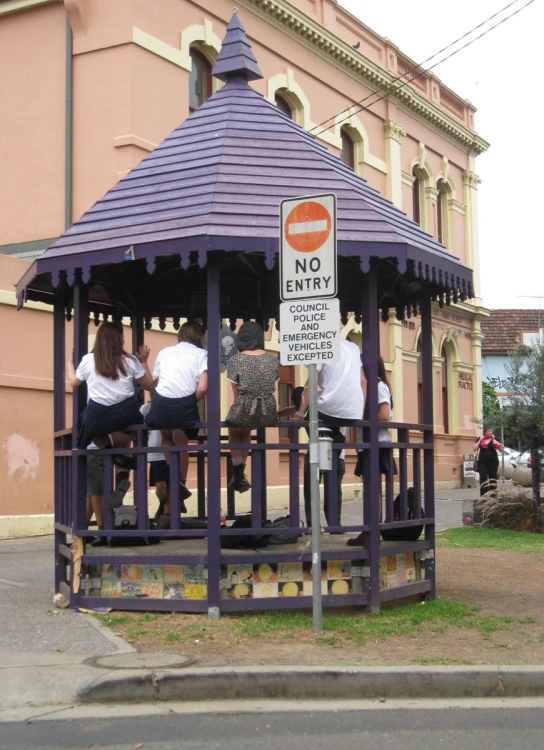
point(68, 127)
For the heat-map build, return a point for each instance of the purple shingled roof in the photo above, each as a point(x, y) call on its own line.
point(216, 183)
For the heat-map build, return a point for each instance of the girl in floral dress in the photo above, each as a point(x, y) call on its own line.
point(253, 374)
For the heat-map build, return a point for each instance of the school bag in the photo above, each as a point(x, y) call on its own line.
point(125, 518)
point(410, 533)
point(282, 523)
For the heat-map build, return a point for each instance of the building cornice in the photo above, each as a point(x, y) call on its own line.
point(298, 25)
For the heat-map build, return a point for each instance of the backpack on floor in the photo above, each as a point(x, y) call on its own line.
point(410, 533)
point(282, 523)
point(125, 518)
point(251, 541)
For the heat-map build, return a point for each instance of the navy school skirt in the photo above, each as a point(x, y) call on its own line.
point(98, 419)
point(174, 414)
point(388, 464)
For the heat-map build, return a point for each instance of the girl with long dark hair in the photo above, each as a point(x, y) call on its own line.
point(110, 373)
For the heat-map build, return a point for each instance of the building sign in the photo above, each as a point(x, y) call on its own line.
point(465, 381)
point(309, 331)
point(308, 247)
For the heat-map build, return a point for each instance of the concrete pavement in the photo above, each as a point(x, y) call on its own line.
point(45, 653)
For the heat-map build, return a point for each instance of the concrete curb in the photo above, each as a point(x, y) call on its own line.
point(308, 683)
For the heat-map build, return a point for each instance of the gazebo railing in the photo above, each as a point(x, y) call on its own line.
point(414, 446)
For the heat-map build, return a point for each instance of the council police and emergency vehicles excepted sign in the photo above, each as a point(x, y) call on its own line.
point(309, 331)
point(308, 247)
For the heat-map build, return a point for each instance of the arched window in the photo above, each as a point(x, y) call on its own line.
point(347, 154)
point(282, 104)
point(442, 212)
point(200, 80)
point(444, 380)
point(416, 207)
point(418, 197)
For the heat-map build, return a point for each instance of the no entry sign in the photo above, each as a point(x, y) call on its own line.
point(308, 247)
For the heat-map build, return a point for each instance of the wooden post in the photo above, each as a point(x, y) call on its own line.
point(214, 436)
point(428, 434)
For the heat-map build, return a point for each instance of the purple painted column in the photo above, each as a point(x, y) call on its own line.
point(79, 463)
point(214, 435)
point(59, 423)
point(428, 435)
point(294, 479)
point(372, 478)
point(140, 473)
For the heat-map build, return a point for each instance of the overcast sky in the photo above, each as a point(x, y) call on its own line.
point(500, 74)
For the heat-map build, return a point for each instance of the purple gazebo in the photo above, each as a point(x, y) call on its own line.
point(192, 231)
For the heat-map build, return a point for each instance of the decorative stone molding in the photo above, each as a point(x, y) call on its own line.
point(289, 87)
point(431, 192)
point(298, 25)
point(161, 49)
point(455, 205)
point(361, 139)
point(408, 356)
point(393, 130)
point(205, 36)
point(471, 179)
point(12, 6)
point(407, 178)
point(201, 35)
point(133, 140)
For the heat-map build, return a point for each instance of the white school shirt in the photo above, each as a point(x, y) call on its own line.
point(106, 391)
point(341, 394)
point(384, 397)
point(178, 368)
point(154, 437)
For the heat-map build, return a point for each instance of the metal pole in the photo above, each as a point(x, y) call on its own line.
point(314, 496)
point(503, 478)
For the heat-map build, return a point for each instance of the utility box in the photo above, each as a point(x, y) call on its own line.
point(471, 478)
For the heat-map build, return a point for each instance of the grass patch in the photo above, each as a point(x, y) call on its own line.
point(441, 660)
point(398, 621)
point(466, 536)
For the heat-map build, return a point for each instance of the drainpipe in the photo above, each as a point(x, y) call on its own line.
point(68, 127)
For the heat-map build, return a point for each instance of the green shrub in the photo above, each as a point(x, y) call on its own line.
point(513, 508)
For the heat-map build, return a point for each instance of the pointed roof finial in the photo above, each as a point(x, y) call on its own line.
point(236, 57)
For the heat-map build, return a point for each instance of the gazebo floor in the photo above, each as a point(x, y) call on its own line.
point(148, 576)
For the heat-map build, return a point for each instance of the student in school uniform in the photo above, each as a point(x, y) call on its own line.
point(340, 403)
point(110, 373)
point(182, 372)
point(159, 473)
point(385, 454)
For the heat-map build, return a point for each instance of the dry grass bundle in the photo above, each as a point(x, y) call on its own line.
point(514, 509)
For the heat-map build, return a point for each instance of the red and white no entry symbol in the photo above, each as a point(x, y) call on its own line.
point(308, 226)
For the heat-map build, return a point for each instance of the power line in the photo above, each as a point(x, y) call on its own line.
point(405, 83)
point(398, 78)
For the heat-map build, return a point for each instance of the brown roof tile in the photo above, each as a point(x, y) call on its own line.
point(504, 328)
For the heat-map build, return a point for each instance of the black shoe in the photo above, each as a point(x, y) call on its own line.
point(115, 500)
point(124, 462)
point(184, 493)
point(240, 482)
point(357, 541)
point(100, 541)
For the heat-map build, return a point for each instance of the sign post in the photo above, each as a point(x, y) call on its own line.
point(309, 325)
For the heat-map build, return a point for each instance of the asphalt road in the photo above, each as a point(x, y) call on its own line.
point(410, 729)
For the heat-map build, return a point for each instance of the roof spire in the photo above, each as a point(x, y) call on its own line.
point(236, 58)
